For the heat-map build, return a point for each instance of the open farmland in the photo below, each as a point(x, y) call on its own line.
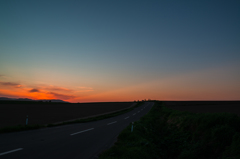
point(205, 106)
point(169, 133)
point(45, 113)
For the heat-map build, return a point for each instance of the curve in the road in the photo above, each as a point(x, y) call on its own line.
point(83, 140)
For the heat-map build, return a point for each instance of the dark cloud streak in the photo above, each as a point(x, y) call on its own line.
point(34, 90)
point(59, 89)
point(62, 96)
point(17, 85)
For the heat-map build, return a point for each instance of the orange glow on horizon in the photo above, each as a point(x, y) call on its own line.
point(24, 94)
point(205, 85)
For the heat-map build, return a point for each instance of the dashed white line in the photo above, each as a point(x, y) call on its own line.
point(82, 131)
point(111, 123)
point(134, 114)
point(4, 153)
point(126, 117)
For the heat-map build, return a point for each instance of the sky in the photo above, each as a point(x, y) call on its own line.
point(97, 51)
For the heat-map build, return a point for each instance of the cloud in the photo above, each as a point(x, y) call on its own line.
point(59, 88)
point(34, 90)
point(62, 96)
point(85, 89)
point(11, 84)
point(54, 88)
point(8, 95)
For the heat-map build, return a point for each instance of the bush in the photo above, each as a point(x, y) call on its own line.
point(167, 133)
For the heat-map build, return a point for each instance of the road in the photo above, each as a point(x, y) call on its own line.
point(75, 141)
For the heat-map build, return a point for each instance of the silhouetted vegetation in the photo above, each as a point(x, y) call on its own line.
point(168, 133)
point(29, 102)
point(20, 128)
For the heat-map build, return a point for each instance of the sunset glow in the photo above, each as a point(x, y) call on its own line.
point(120, 51)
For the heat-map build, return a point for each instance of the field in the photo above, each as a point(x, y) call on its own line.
point(13, 114)
point(205, 106)
point(196, 132)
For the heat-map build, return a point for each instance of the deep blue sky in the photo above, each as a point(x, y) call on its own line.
point(112, 45)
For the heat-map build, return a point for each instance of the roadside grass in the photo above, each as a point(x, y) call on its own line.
point(20, 128)
point(84, 120)
point(167, 133)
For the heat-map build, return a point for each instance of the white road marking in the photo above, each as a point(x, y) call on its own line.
point(4, 153)
point(111, 123)
point(126, 117)
point(82, 131)
point(134, 114)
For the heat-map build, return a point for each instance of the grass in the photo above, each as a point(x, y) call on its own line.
point(20, 128)
point(31, 127)
point(167, 133)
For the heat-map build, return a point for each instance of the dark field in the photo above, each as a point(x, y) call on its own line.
point(46, 113)
point(169, 133)
point(205, 106)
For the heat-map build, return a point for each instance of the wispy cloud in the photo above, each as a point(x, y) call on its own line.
point(11, 84)
point(54, 88)
point(43, 91)
point(5, 77)
point(34, 90)
point(61, 96)
point(84, 89)
point(2, 94)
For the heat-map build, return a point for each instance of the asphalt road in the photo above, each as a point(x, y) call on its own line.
point(75, 141)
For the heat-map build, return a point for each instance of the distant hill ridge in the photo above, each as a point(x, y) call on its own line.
point(26, 99)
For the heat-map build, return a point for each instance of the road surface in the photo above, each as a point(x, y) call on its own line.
point(75, 141)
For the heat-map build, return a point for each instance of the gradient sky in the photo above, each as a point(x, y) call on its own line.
point(88, 51)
